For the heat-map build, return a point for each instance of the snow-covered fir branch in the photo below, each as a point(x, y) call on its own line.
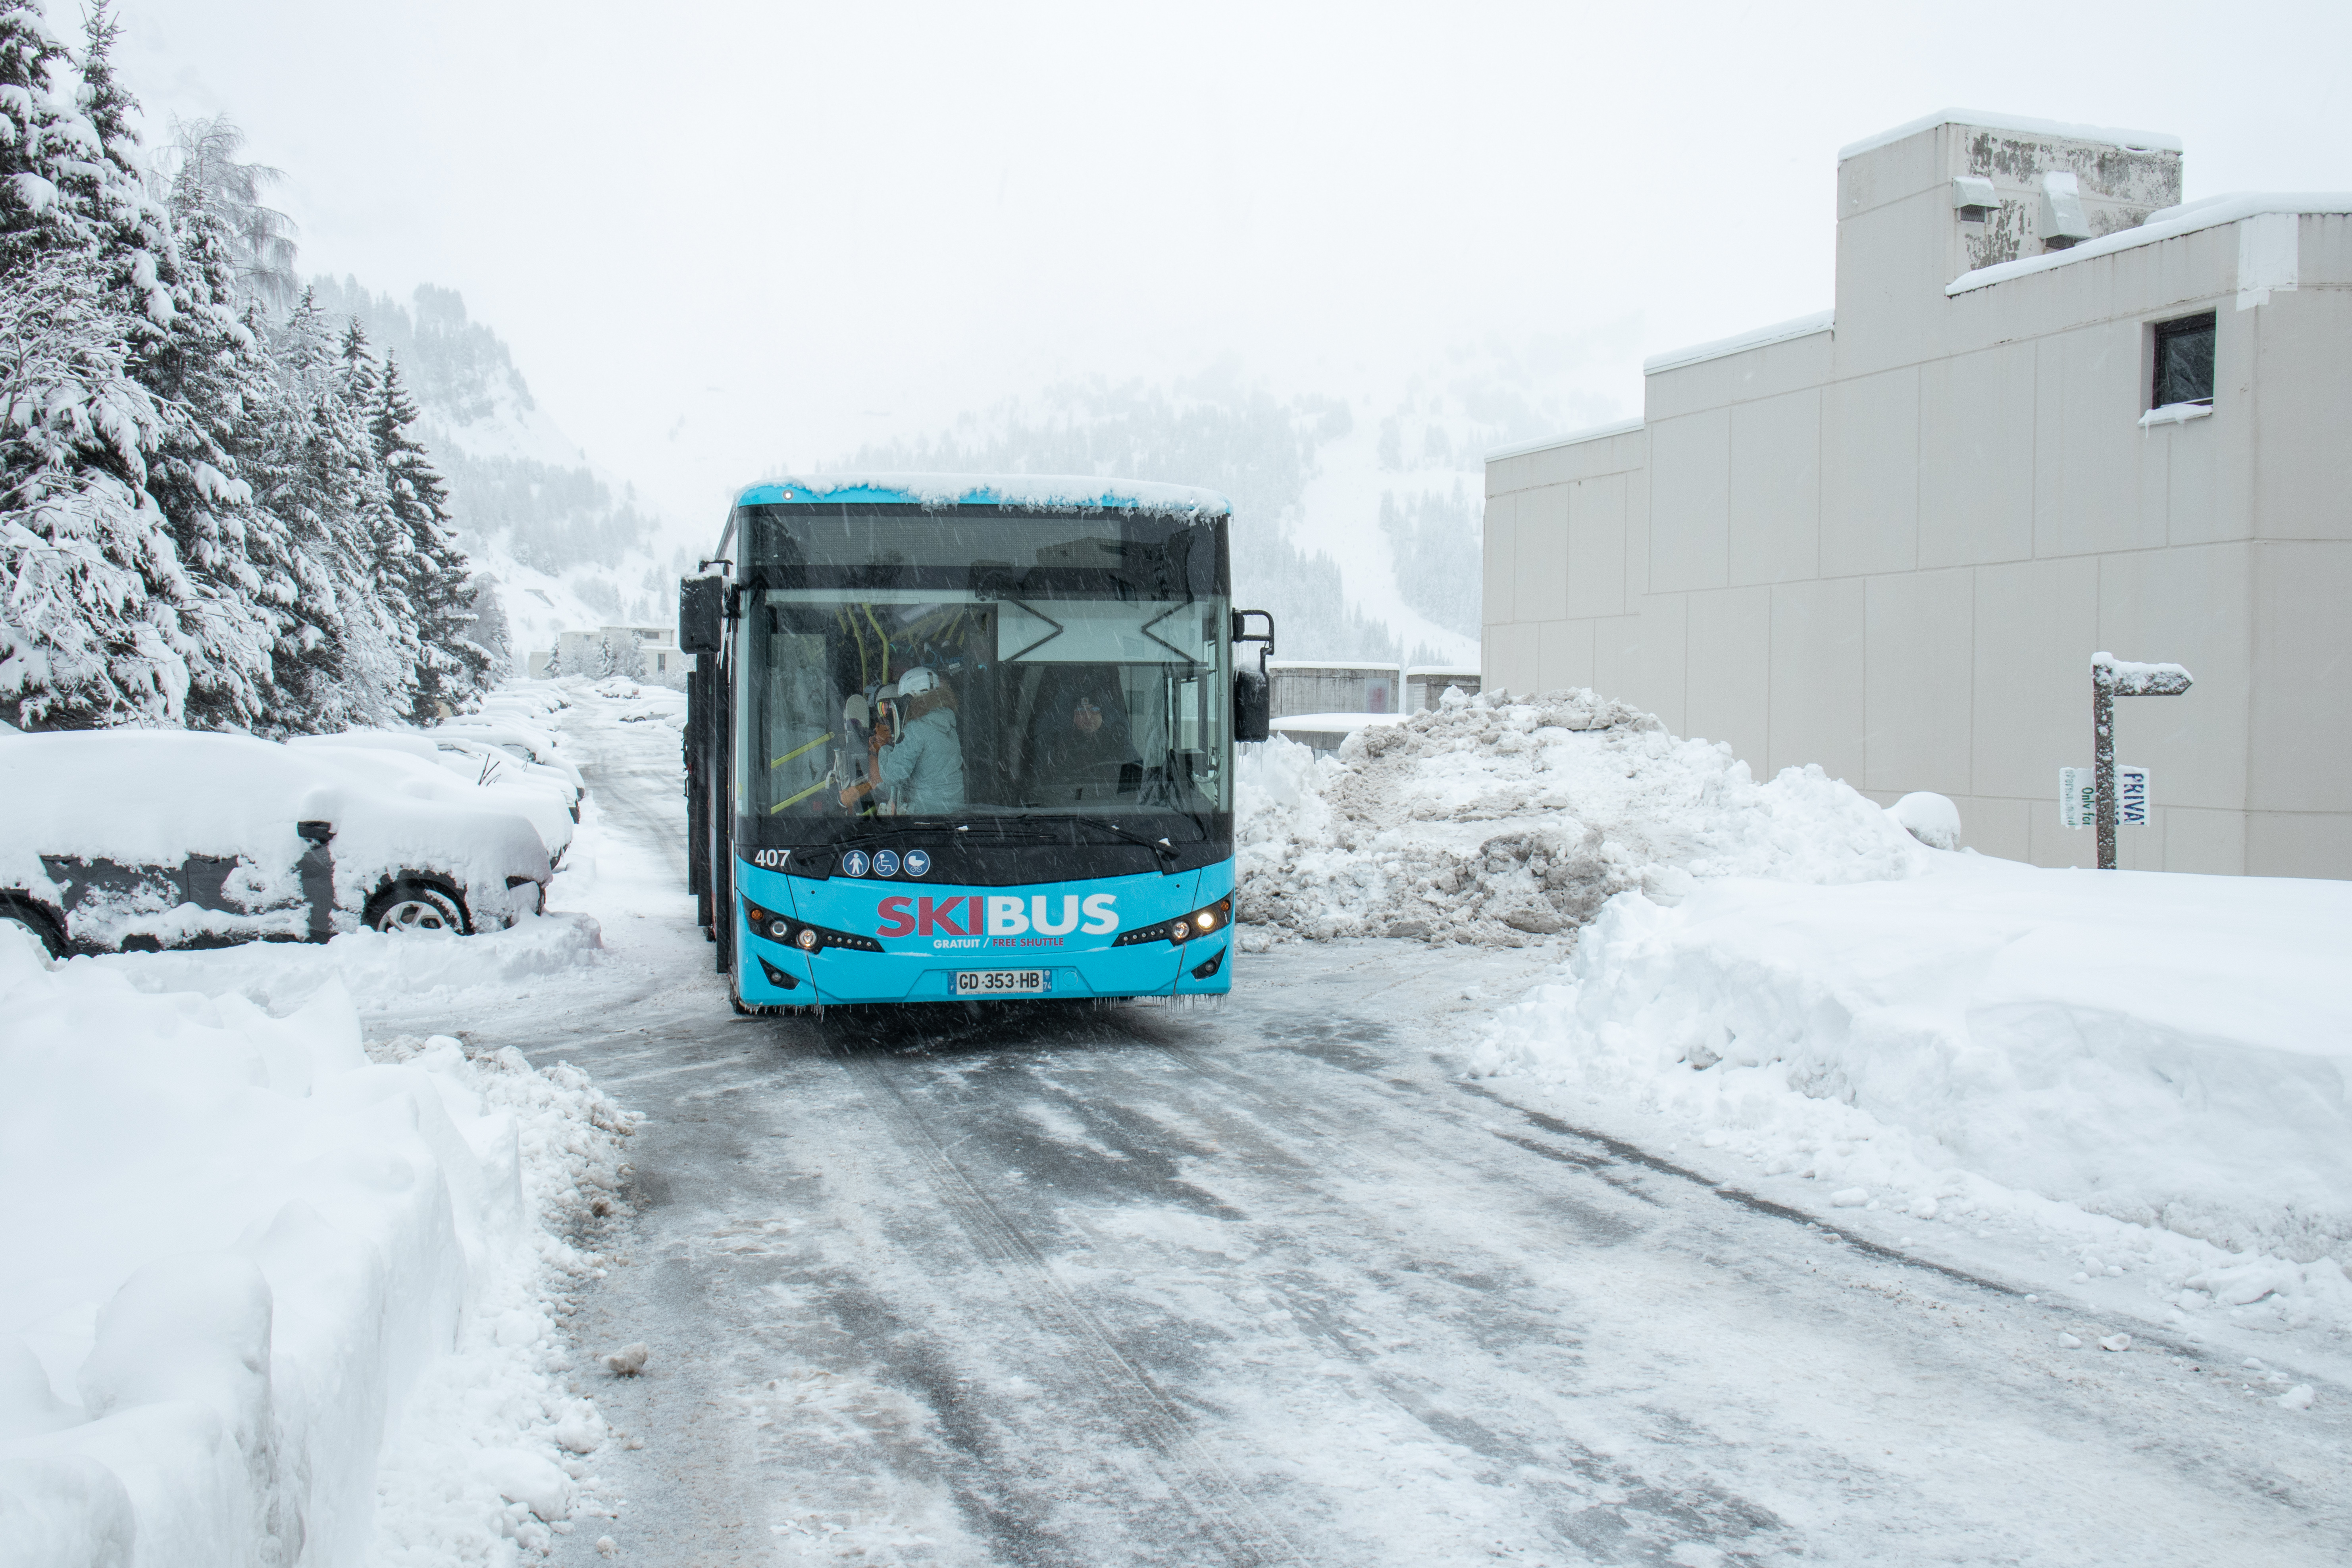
point(214, 508)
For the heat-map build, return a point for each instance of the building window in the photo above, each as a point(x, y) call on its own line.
point(2184, 361)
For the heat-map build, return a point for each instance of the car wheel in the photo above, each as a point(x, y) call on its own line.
point(33, 924)
point(416, 907)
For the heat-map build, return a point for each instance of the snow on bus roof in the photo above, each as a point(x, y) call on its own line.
point(1040, 492)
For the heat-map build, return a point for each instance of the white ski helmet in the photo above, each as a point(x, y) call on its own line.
point(918, 681)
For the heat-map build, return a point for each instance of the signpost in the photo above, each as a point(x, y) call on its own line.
point(2112, 678)
point(2078, 796)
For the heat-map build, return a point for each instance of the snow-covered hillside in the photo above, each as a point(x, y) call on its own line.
point(570, 545)
point(1357, 518)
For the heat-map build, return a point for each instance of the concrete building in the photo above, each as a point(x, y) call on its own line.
point(2052, 412)
point(1319, 703)
point(655, 649)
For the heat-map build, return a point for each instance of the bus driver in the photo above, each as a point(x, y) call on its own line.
point(925, 763)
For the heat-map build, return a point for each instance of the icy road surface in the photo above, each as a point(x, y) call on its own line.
point(1273, 1284)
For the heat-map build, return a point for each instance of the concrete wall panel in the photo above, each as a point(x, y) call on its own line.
point(1869, 475)
point(2086, 451)
point(1508, 658)
point(1918, 627)
point(1727, 688)
point(2292, 844)
point(1993, 825)
point(1498, 556)
point(1688, 502)
point(2213, 842)
point(1775, 496)
point(2304, 402)
point(2036, 628)
point(1539, 569)
point(1596, 547)
point(1976, 448)
point(1638, 658)
point(1819, 701)
point(2190, 606)
point(1563, 654)
point(2300, 727)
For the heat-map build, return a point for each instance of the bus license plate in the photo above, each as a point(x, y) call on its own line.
point(1001, 982)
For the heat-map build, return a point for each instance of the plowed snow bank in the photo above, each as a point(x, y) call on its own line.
point(249, 1262)
point(2153, 1067)
point(1495, 821)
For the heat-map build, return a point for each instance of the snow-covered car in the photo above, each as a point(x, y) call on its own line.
point(450, 769)
point(528, 742)
point(129, 840)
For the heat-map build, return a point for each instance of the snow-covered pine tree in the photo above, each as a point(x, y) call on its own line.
point(454, 669)
point(312, 473)
point(379, 542)
point(45, 141)
point(100, 623)
point(491, 632)
point(213, 379)
point(93, 604)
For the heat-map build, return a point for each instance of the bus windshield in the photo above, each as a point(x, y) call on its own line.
point(958, 671)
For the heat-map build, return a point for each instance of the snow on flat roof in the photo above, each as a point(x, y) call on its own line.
point(1598, 433)
point(2168, 223)
point(2139, 141)
point(1386, 666)
point(1033, 491)
point(1778, 332)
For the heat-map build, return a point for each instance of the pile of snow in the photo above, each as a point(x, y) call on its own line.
point(276, 1303)
point(1493, 819)
point(403, 973)
point(2153, 1067)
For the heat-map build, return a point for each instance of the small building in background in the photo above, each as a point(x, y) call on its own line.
point(1321, 703)
point(2055, 411)
point(647, 653)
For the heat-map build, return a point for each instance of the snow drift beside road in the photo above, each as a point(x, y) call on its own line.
point(252, 1255)
point(1492, 820)
point(1993, 1040)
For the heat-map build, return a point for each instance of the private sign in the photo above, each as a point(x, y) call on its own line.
point(2078, 797)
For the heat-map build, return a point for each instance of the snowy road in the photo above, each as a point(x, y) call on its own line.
point(1272, 1284)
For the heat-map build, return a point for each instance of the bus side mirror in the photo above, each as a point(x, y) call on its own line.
point(1252, 705)
point(701, 608)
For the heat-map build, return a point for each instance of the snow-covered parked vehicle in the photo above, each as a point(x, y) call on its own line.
point(137, 839)
point(524, 741)
point(547, 796)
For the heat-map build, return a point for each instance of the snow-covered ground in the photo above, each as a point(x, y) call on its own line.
point(1486, 1238)
point(2136, 1086)
point(283, 1296)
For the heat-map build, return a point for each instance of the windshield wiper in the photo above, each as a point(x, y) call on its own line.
point(1046, 830)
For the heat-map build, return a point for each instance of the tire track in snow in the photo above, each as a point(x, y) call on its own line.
point(1241, 1534)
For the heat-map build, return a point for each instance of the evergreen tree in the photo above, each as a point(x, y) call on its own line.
point(431, 569)
point(93, 603)
point(44, 143)
point(99, 622)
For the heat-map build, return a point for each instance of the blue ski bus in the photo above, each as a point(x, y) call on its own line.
point(967, 739)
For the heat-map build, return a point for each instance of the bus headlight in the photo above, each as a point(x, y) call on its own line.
point(801, 934)
point(1184, 928)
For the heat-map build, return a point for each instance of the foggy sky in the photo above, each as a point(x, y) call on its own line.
point(723, 237)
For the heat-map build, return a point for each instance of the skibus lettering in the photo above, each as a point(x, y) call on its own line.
point(942, 915)
point(897, 921)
